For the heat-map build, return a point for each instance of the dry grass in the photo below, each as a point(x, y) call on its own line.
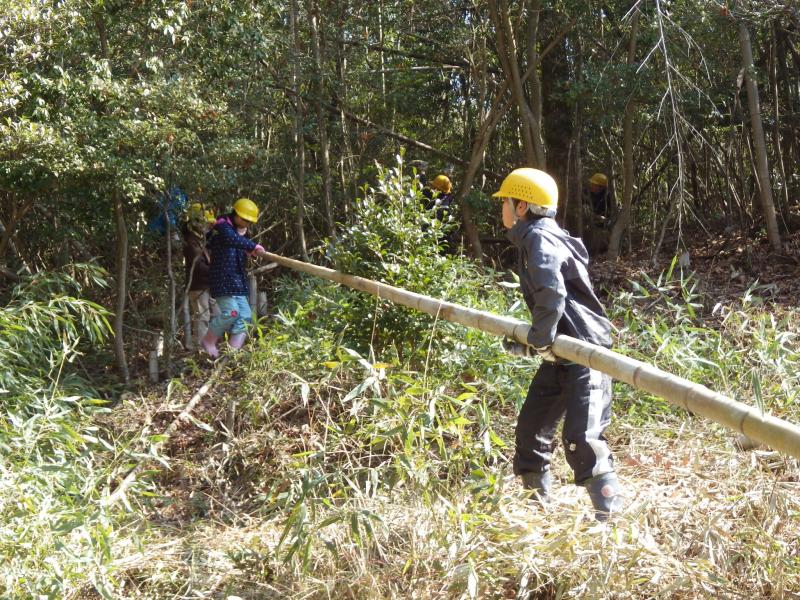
point(702, 519)
point(342, 479)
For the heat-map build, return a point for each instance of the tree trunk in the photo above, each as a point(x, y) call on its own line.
point(624, 217)
point(173, 319)
point(122, 245)
point(759, 141)
point(8, 230)
point(188, 333)
point(322, 121)
point(776, 127)
point(535, 10)
point(122, 287)
point(101, 32)
point(577, 148)
point(507, 51)
point(482, 139)
point(347, 164)
point(299, 140)
point(783, 80)
point(487, 127)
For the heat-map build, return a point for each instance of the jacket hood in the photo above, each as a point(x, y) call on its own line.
point(523, 229)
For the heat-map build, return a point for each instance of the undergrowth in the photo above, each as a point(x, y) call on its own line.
point(744, 349)
point(370, 462)
point(362, 450)
point(55, 534)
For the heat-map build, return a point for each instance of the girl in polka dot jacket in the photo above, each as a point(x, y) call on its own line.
point(230, 248)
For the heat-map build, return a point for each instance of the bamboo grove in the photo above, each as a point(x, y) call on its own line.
point(690, 106)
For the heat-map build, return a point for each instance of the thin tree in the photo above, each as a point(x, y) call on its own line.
point(121, 266)
point(624, 218)
point(122, 286)
point(299, 140)
point(312, 7)
point(530, 131)
point(759, 141)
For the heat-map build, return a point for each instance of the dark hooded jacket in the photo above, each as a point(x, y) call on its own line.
point(229, 252)
point(555, 283)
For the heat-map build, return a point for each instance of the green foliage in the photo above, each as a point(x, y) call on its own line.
point(394, 240)
point(119, 100)
point(735, 347)
point(54, 533)
point(388, 429)
point(354, 464)
point(43, 328)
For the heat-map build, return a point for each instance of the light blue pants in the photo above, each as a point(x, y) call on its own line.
point(234, 315)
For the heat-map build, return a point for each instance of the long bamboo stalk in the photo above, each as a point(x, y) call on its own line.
point(780, 435)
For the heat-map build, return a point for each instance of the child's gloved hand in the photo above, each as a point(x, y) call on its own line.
point(516, 349)
point(258, 251)
point(546, 354)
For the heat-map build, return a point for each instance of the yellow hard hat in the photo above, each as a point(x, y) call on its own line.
point(246, 209)
point(599, 179)
point(442, 183)
point(195, 210)
point(532, 186)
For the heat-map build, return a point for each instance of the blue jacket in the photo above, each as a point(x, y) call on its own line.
point(229, 251)
point(555, 283)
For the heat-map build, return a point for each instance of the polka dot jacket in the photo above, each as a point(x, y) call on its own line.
point(229, 252)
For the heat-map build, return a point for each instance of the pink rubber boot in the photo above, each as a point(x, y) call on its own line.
point(236, 341)
point(209, 343)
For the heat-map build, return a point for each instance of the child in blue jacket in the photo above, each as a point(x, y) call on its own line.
point(230, 248)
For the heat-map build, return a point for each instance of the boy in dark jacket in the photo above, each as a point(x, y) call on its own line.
point(228, 276)
point(555, 285)
point(197, 263)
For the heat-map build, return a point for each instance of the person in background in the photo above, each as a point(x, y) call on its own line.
point(230, 246)
point(601, 200)
point(439, 199)
point(174, 201)
point(197, 265)
point(555, 284)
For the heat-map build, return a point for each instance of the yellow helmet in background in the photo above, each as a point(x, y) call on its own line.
point(195, 212)
point(442, 183)
point(198, 212)
point(599, 179)
point(197, 218)
point(246, 209)
point(535, 187)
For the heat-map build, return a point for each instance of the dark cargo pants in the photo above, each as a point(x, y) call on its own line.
point(583, 397)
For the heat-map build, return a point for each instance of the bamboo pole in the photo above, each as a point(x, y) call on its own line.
point(188, 330)
point(780, 435)
point(252, 300)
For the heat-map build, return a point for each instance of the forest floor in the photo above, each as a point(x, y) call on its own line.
point(725, 264)
point(704, 517)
